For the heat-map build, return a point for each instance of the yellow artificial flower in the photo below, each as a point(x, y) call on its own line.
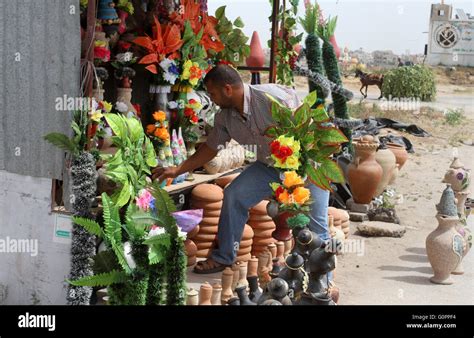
point(290, 142)
point(301, 195)
point(292, 179)
point(291, 162)
point(107, 106)
point(96, 115)
point(186, 70)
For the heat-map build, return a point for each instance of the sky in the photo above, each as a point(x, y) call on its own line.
point(394, 25)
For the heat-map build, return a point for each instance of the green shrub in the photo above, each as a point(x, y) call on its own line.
point(454, 117)
point(410, 82)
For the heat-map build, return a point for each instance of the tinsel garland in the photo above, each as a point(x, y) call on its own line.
point(313, 57)
point(84, 185)
point(340, 102)
point(176, 272)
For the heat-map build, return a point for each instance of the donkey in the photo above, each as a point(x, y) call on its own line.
point(369, 80)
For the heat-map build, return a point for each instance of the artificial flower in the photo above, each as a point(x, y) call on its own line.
point(278, 191)
point(121, 107)
point(194, 119)
point(191, 72)
point(156, 230)
point(162, 133)
point(150, 129)
point(292, 162)
point(292, 179)
point(283, 197)
point(96, 115)
point(181, 234)
point(301, 195)
point(159, 116)
point(107, 106)
point(143, 199)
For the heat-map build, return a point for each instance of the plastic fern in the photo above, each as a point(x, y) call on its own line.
point(104, 279)
point(90, 225)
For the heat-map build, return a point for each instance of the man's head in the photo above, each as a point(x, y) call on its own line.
point(224, 85)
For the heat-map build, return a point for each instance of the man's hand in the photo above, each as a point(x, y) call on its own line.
point(163, 173)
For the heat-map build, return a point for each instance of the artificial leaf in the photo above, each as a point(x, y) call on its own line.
point(311, 98)
point(90, 225)
point(332, 171)
point(104, 279)
point(317, 178)
point(150, 58)
point(333, 136)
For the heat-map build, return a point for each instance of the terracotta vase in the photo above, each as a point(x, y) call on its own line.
point(226, 282)
point(282, 231)
point(205, 294)
point(243, 275)
point(400, 153)
point(388, 162)
point(216, 294)
point(192, 297)
point(125, 95)
point(256, 57)
point(252, 267)
point(444, 247)
point(280, 251)
point(364, 173)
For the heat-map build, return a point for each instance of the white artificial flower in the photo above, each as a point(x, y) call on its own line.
point(95, 104)
point(182, 234)
point(121, 107)
point(165, 64)
point(169, 77)
point(130, 114)
point(172, 105)
point(127, 250)
point(156, 231)
point(124, 57)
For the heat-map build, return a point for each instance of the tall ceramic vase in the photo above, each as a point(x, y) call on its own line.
point(400, 153)
point(364, 173)
point(444, 247)
point(388, 162)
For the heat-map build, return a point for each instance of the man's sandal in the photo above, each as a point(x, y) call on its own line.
point(208, 266)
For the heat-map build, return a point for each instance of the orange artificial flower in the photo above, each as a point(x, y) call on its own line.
point(162, 133)
point(301, 195)
point(284, 197)
point(292, 179)
point(150, 129)
point(159, 116)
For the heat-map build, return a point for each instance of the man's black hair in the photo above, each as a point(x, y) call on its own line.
point(223, 74)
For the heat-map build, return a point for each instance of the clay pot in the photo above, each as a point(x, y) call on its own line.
point(204, 253)
point(364, 174)
point(247, 233)
point(244, 258)
point(208, 229)
point(205, 294)
point(224, 180)
point(395, 172)
point(255, 218)
point(244, 251)
point(461, 197)
point(465, 232)
point(400, 153)
point(226, 282)
point(207, 206)
point(190, 248)
point(216, 294)
point(388, 162)
point(193, 232)
point(262, 226)
point(255, 292)
point(204, 245)
point(260, 208)
point(192, 297)
point(444, 247)
point(211, 213)
point(201, 237)
point(457, 176)
point(252, 267)
point(246, 243)
point(207, 193)
point(335, 232)
point(256, 57)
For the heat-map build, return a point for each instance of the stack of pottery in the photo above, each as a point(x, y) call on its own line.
point(191, 250)
point(400, 152)
point(364, 173)
point(459, 179)
point(245, 247)
point(233, 156)
point(225, 180)
point(335, 232)
point(445, 246)
point(388, 162)
point(209, 198)
point(262, 226)
point(341, 219)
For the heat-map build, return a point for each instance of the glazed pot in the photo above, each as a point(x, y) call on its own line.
point(282, 231)
point(444, 247)
point(400, 153)
point(364, 174)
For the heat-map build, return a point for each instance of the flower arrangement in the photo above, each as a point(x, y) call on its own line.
point(160, 136)
point(186, 115)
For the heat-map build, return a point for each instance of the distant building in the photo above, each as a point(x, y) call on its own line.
point(384, 58)
point(450, 40)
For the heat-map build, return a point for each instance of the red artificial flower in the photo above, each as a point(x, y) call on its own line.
point(192, 101)
point(284, 153)
point(138, 108)
point(194, 119)
point(188, 112)
point(124, 45)
point(275, 147)
point(102, 53)
point(279, 190)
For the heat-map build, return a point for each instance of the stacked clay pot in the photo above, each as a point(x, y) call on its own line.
point(224, 180)
point(209, 198)
point(245, 247)
point(262, 226)
point(190, 247)
point(341, 219)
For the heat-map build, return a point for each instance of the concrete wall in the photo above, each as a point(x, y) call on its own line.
point(25, 204)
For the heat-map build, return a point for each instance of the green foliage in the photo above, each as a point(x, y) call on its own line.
point(410, 82)
point(126, 5)
point(176, 273)
point(191, 49)
point(105, 261)
point(155, 292)
point(130, 165)
point(104, 279)
point(298, 221)
point(454, 117)
point(319, 140)
point(235, 41)
point(90, 225)
point(311, 18)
